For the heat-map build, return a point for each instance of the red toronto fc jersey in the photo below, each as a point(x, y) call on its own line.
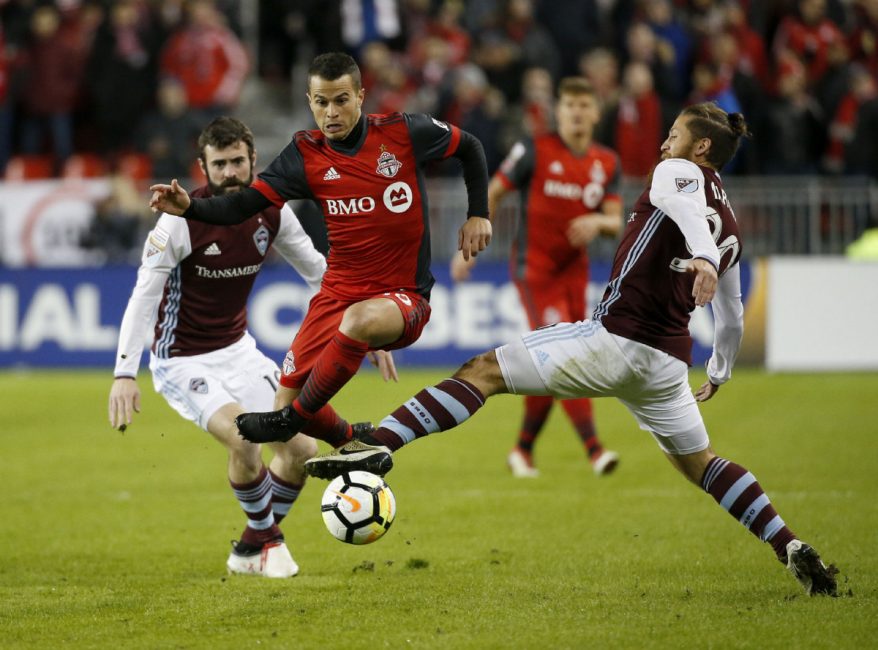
point(557, 185)
point(649, 296)
point(372, 197)
point(204, 305)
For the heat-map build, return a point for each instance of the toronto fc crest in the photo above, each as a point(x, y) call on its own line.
point(388, 165)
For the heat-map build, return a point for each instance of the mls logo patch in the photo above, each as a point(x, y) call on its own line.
point(260, 238)
point(289, 364)
point(687, 185)
point(198, 385)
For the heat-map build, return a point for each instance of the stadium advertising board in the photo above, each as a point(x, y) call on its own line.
point(70, 317)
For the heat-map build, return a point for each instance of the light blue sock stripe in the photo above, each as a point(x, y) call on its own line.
point(735, 491)
point(458, 411)
point(753, 511)
point(422, 415)
point(772, 528)
point(261, 524)
point(255, 506)
point(391, 423)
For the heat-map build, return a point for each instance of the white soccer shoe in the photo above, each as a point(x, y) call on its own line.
point(272, 561)
point(605, 463)
point(520, 465)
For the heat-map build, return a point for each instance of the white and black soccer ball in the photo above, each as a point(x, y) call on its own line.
point(358, 507)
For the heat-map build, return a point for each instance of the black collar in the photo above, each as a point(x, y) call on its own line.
point(354, 140)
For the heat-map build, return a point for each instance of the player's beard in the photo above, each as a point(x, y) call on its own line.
point(230, 185)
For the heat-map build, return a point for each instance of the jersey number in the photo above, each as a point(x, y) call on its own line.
point(728, 245)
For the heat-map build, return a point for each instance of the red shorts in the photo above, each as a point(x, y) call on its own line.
point(550, 302)
point(322, 321)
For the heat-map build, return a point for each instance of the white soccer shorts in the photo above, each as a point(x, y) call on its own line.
point(198, 386)
point(583, 359)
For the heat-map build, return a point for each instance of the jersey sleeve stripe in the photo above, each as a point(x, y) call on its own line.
point(455, 140)
point(268, 192)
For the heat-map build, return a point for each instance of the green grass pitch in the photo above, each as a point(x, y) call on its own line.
point(119, 540)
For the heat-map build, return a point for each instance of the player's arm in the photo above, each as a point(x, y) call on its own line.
point(435, 140)
point(728, 315)
point(606, 223)
point(296, 247)
point(165, 246)
point(678, 190)
point(225, 210)
point(460, 268)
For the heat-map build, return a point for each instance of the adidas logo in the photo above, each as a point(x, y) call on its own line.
point(556, 167)
point(213, 249)
point(331, 175)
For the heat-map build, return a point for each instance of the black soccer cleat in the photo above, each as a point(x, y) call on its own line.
point(807, 567)
point(270, 426)
point(354, 456)
point(363, 431)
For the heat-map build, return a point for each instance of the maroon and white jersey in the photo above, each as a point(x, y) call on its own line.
point(195, 278)
point(373, 200)
point(684, 214)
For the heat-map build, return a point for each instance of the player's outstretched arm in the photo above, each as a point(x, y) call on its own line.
point(474, 236)
point(705, 391)
point(124, 402)
point(172, 199)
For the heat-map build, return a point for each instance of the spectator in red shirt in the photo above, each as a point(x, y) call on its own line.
point(809, 35)
point(207, 58)
point(639, 121)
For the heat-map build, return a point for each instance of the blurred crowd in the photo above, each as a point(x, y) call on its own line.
point(131, 82)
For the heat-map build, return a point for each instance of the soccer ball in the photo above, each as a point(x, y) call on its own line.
point(358, 507)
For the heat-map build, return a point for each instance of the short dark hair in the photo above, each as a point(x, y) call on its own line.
point(333, 65)
point(575, 86)
point(724, 130)
point(224, 132)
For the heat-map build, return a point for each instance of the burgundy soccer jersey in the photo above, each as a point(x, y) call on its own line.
point(649, 296)
point(557, 185)
point(204, 305)
point(372, 197)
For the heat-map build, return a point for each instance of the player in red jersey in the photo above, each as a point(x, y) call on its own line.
point(570, 196)
point(197, 279)
point(365, 171)
point(680, 249)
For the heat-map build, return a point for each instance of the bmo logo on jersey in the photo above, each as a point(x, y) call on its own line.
point(362, 205)
point(398, 197)
point(591, 195)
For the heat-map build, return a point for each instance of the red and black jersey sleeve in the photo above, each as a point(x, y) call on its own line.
point(285, 179)
point(518, 166)
point(431, 139)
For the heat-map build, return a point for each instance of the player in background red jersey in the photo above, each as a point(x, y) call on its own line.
point(570, 196)
point(680, 250)
point(365, 172)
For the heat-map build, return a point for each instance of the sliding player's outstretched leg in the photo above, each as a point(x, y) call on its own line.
point(270, 426)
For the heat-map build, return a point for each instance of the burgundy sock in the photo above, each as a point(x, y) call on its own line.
point(255, 499)
point(441, 407)
point(738, 492)
point(283, 496)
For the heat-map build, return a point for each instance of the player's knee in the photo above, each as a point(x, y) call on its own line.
point(483, 372)
point(245, 455)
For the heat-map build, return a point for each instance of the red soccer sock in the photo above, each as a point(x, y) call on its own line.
point(536, 412)
point(335, 366)
point(580, 413)
point(328, 426)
